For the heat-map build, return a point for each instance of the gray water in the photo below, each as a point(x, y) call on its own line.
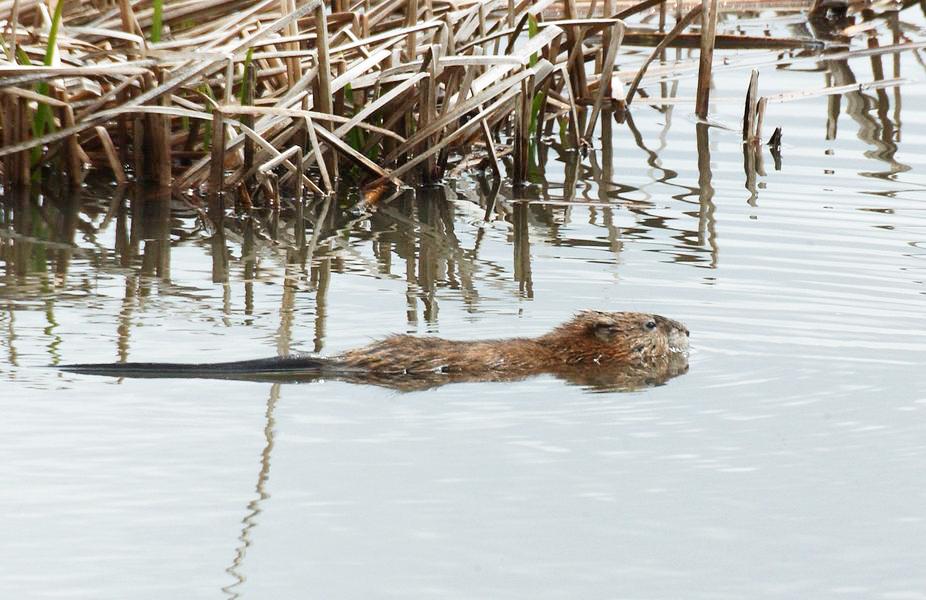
point(788, 462)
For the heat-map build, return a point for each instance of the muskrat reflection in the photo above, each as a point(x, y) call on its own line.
point(619, 379)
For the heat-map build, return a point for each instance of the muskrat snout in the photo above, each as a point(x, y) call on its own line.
point(678, 340)
point(674, 335)
point(678, 337)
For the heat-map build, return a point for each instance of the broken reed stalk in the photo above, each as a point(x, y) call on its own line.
point(705, 59)
point(16, 117)
point(522, 133)
point(295, 169)
point(411, 40)
point(160, 140)
point(73, 152)
point(217, 169)
point(490, 148)
point(749, 112)
point(247, 99)
point(300, 185)
point(138, 148)
point(760, 116)
point(606, 41)
point(7, 118)
point(115, 164)
point(323, 95)
point(427, 94)
point(754, 112)
point(615, 35)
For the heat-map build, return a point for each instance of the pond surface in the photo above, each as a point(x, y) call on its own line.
point(788, 462)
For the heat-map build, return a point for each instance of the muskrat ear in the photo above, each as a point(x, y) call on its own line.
point(605, 330)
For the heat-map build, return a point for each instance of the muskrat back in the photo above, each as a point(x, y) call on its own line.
point(591, 338)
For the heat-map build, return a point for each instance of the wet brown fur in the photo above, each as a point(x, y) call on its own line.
point(591, 339)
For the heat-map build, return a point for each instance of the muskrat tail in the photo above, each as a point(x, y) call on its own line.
point(283, 366)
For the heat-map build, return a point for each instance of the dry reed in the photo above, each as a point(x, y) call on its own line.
point(242, 98)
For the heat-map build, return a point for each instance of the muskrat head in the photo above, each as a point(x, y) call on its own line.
point(596, 337)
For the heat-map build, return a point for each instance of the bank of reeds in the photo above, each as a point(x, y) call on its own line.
point(240, 99)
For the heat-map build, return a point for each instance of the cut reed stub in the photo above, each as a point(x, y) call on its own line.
point(217, 167)
point(706, 58)
point(749, 112)
point(775, 140)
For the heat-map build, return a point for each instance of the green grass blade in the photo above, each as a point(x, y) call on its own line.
point(157, 22)
point(354, 136)
point(244, 92)
point(43, 118)
point(536, 104)
point(53, 34)
point(206, 91)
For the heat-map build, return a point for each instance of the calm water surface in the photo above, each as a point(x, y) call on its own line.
point(788, 462)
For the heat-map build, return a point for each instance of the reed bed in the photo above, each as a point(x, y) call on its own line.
point(244, 103)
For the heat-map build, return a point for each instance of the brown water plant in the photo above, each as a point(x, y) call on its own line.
point(212, 99)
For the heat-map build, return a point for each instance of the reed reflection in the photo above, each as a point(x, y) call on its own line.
point(754, 167)
point(613, 195)
point(688, 246)
point(522, 250)
point(249, 265)
point(893, 21)
point(320, 270)
point(39, 239)
point(154, 206)
point(219, 250)
point(254, 507)
point(707, 234)
point(882, 132)
point(605, 184)
point(36, 248)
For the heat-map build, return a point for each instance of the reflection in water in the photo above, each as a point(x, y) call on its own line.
point(752, 166)
point(219, 249)
point(894, 24)
point(706, 225)
point(9, 340)
point(321, 275)
point(38, 239)
point(522, 250)
point(883, 132)
point(308, 369)
point(254, 506)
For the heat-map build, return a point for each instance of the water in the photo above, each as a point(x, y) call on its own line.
point(787, 462)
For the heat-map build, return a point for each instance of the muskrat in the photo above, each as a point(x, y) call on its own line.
point(626, 349)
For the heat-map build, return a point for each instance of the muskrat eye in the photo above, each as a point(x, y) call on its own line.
point(651, 325)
